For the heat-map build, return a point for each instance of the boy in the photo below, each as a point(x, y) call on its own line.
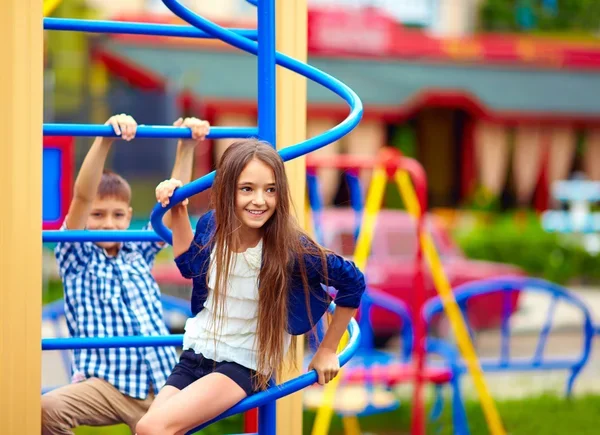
point(110, 291)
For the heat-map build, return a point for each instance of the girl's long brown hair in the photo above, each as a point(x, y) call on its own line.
point(284, 244)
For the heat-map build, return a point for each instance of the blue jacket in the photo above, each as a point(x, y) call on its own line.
point(343, 275)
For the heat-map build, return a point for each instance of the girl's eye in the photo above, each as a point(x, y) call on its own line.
point(271, 190)
point(245, 189)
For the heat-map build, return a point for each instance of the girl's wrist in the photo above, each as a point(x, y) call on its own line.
point(179, 210)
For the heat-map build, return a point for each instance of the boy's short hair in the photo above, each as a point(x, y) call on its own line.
point(112, 185)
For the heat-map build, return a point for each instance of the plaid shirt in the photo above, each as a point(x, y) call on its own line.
point(115, 296)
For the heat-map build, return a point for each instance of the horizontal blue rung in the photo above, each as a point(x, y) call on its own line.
point(129, 28)
point(55, 236)
point(146, 131)
point(111, 342)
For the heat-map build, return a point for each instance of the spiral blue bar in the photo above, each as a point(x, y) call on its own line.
point(306, 70)
point(288, 153)
point(146, 131)
point(291, 386)
point(128, 28)
point(268, 58)
point(259, 399)
point(55, 236)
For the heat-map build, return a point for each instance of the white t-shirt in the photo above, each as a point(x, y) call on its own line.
point(233, 336)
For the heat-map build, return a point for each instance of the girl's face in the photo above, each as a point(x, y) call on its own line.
point(256, 195)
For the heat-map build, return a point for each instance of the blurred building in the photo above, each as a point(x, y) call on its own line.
point(496, 115)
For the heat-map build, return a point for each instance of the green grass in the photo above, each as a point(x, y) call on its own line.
point(541, 415)
point(231, 425)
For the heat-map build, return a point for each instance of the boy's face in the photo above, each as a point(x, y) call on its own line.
point(109, 214)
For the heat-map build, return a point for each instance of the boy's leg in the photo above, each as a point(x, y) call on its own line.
point(93, 402)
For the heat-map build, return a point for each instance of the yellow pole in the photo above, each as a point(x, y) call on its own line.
point(369, 217)
point(290, 23)
point(21, 216)
point(452, 311)
point(50, 6)
point(361, 255)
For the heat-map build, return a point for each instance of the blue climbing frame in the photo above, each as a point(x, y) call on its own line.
point(265, 400)
point(261, 43)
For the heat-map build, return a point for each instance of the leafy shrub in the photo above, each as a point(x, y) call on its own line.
point(519, 239)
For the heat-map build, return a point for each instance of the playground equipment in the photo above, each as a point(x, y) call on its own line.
point(50, 6)
point(54, 313)
point(261, 43)
point(263, 400)
point(506, 287)
point(57, 180)
point(391, 165)
point(372, 367)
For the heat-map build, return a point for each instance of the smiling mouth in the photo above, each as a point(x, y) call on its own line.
point(256, 212)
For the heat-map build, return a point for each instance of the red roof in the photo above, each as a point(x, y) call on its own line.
point(385, 38)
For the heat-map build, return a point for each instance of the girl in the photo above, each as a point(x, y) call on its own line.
point(258, 281)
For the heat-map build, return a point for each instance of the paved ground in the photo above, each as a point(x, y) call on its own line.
point(565, 340)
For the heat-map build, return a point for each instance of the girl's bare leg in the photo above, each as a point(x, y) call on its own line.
point(196, 404)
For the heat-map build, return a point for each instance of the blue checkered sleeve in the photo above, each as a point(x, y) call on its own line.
point(71, 257)
point(149, 249)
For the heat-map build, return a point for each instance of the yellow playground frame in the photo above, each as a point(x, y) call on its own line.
point(391, 165)
point(20, 230)
point(21, 31)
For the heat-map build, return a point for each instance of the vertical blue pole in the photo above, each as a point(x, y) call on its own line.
point(266, 71)
point(316, 205)
point(267, 414)
point(356, 199)
point(267, 418)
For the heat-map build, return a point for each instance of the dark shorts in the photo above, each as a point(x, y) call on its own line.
point(193, 366)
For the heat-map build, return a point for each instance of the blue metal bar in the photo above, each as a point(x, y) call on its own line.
point(257, 400)
point(517, 283)
point(288, 153)
point(355, 188)
point(541, 345)
point(111, 342)
point(129, 28)
point(307, 146)
point(306, 70)
point(505, 326)
point(356, 200)
point(396, 306)
point(55, 236)
point(267, 418)
point(146, 131)
point(267, 105)
point(278, 391)
point(525, 364)
point(64, 355)
point(316, 205)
